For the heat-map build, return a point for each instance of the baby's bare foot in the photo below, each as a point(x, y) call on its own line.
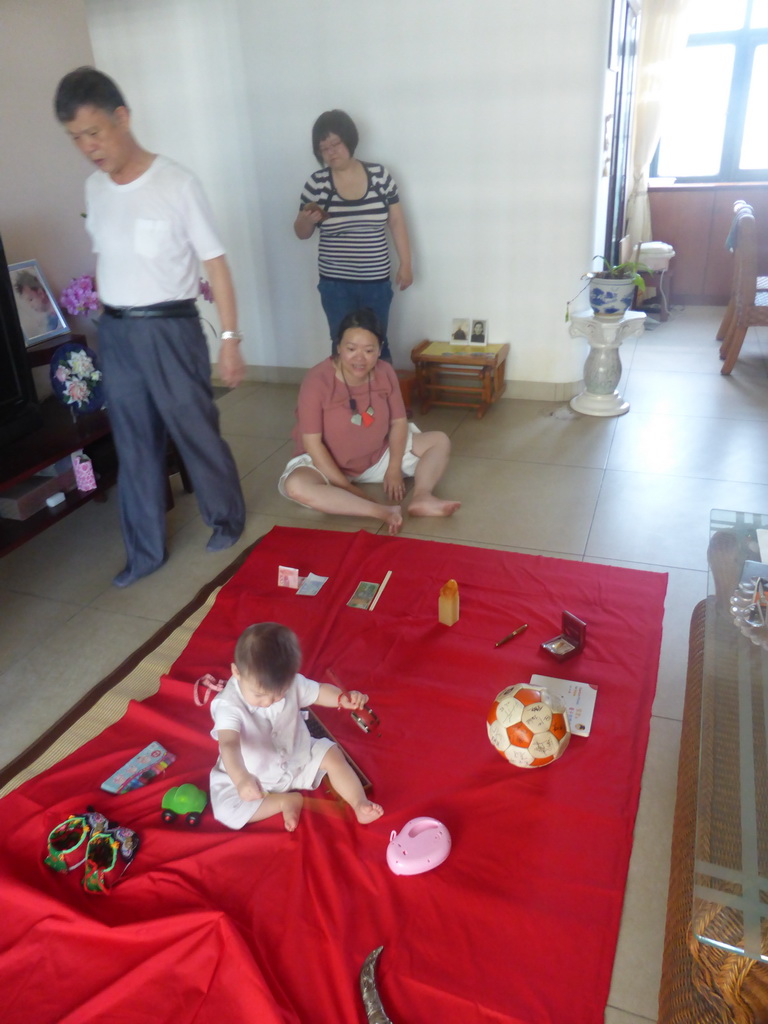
point(432, 506)
point(291, 807)
point(366, 812)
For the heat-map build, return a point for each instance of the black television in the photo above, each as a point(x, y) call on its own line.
point(19, 409)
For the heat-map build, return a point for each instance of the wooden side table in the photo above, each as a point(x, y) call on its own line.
point(464, 376)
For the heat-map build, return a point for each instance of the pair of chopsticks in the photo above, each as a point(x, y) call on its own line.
point(380, 591)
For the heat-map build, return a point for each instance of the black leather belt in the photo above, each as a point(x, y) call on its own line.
point(179, 308)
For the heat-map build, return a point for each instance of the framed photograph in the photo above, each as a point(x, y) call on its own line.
point(479, 333)
point(39, 315)
point(460, 331)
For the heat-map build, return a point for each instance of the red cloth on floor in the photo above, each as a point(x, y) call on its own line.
point(518, 926)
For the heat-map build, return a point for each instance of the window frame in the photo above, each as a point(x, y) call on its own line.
point(745, 41)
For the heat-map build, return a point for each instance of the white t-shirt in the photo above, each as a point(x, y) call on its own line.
point(150, 235)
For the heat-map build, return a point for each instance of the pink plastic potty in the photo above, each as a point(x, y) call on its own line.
point(421, 845)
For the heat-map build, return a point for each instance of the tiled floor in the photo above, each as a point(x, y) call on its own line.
point(533, 476)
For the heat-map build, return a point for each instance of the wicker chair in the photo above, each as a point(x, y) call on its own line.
point(749, 303)
point(762, 282)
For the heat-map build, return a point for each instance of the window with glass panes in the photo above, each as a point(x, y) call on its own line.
point(714, 114)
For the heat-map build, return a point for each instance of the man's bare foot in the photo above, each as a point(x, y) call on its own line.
point(429, 505)
point(393, 517)
point(366, 812)
point(291, 806)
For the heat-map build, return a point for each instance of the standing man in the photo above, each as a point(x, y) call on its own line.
point(151, 229)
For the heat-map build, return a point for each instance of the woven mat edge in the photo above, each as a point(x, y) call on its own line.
point(137, 677)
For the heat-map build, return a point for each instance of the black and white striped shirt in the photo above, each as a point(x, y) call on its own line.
point(353, 239)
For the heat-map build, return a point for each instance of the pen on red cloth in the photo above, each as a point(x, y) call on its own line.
point(514, 633)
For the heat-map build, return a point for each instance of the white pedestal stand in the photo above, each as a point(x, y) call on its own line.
point(602, 370)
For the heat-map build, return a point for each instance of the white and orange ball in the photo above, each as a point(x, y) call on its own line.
point(525, 728)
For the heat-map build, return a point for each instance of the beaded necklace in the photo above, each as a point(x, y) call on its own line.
point(359, 419)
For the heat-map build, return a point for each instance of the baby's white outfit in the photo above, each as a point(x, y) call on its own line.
point(276, 744)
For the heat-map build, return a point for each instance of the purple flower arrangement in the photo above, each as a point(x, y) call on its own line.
point(80, 296)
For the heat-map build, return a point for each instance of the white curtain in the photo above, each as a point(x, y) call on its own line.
point(663, 35)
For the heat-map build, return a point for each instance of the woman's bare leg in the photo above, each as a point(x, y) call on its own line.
point(346, 783)
point(309, 487)
point(287, 804)
point(432, 449)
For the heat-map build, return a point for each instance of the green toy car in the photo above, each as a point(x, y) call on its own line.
point(187, 800)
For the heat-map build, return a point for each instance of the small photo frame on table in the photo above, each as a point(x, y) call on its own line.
point(39, 315)
point(460, 331)
point(479, 333)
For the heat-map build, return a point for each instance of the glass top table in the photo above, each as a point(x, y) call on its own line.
point(730, 894)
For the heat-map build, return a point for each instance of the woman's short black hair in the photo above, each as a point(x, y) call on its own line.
point(86, 87)
point(364, 319)
point(334, 122)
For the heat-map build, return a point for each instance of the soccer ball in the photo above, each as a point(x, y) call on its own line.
point(525, 728)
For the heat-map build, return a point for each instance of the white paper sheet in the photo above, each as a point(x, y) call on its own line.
point(578, 699)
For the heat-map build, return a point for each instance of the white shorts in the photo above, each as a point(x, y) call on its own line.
point(373, 475)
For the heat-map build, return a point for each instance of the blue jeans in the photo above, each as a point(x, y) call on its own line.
point(342, 297)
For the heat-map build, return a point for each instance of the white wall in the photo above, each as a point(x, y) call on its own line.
point(488, 112)
point(41, 174)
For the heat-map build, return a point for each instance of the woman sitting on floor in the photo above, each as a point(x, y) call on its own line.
point(351, 429)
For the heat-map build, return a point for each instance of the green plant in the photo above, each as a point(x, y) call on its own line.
point(631, 270)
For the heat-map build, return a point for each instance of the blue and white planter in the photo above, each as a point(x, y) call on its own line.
point(610, 300)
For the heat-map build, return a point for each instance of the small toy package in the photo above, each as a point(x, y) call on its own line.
point(84, 475)
point(140, 770)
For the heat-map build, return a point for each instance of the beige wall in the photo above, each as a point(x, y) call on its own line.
point(41, 174)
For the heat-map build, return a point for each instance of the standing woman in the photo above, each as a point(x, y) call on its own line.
point(352, 203)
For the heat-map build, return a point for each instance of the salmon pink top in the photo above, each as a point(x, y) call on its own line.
point(324, 408)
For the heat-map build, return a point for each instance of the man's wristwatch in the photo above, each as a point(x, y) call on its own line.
point(231, 335)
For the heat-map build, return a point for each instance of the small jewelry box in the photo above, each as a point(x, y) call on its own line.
point(570, 641)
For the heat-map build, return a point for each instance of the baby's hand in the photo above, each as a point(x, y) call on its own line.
point(353, 699)
point(249, 789)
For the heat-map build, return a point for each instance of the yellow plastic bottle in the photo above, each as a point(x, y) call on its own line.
point(448, 603)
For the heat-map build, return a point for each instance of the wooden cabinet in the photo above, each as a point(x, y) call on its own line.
point(41, 353)
point(695, 220)
point(57, 438)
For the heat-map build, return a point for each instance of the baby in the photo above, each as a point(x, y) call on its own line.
point(266, 750)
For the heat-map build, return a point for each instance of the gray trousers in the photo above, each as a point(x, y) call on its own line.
point(157, 379)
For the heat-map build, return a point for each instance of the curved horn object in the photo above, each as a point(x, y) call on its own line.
point(371, 1001)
